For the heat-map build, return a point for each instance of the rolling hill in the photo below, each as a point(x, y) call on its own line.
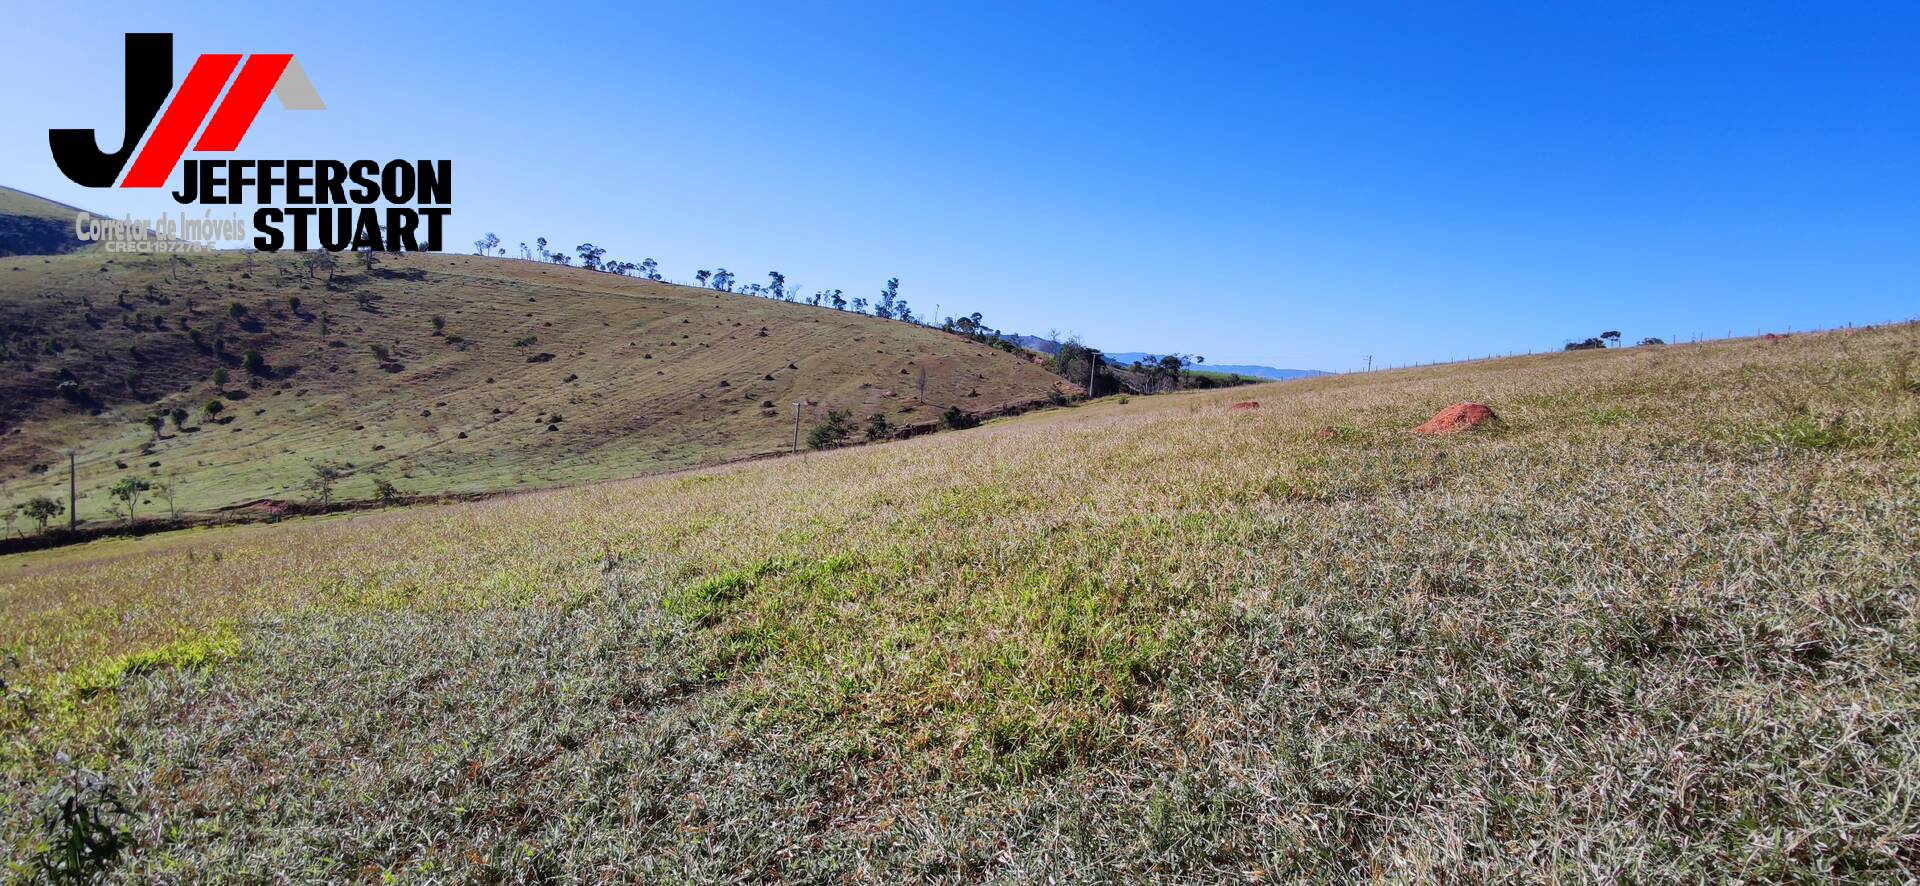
point(1125, 358)
point(1042, 345)
point(32, 225)
point(1270, 373)
point(434, 373)
point(1657, 623)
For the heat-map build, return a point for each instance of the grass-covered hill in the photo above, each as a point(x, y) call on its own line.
point(32, 225)
point(1658, 624)
point(433, 373)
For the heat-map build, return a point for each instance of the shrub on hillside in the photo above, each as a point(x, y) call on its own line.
point(833, 432)
point(325, 474)
point(956, 419)
point(41, 509)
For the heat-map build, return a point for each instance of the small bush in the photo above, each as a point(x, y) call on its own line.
point(832, 432)
point(956, 419)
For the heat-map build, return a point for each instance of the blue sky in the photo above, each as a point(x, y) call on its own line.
point(1289, 184)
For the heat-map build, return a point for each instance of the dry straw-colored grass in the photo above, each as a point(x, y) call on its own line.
point(1661, 622)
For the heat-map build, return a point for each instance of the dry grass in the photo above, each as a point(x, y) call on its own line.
point(22, 204)
point(1660, 624)
point(643, 376)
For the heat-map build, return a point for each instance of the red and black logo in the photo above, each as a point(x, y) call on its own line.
point(325, 204)
point(149, 78)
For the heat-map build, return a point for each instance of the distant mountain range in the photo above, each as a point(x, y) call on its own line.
point(1124, 358)
point(1032, 342)
point(1128, 357)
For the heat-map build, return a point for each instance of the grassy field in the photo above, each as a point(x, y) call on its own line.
point(532, 375)
point(1661, 622)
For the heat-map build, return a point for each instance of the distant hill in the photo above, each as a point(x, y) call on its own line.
point(1128, 357)
point(437, 373)
point(32, 225)
point(1034, 343)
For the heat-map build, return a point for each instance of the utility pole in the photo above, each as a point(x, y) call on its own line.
point(796, 426)
point(1093, 368)
point(1369, 362)
point(73, 497)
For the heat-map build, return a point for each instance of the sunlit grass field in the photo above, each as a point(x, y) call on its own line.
point(1661, 622)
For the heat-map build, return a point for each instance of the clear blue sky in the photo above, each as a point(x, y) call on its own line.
point(1290, 184)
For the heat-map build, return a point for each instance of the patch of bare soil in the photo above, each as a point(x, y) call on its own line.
point(1458, 417)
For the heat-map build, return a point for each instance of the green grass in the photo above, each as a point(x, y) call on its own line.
point(1636, 632)
point(192, 652)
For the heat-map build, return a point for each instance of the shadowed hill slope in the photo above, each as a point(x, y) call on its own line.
point(32, 225)
point(435, 373)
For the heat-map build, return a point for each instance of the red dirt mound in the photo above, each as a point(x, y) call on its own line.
point(1777, 336)
point(1246, 404)
point(1458, 417)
